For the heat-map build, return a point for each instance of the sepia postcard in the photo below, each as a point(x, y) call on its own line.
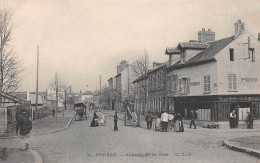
point(129, 81)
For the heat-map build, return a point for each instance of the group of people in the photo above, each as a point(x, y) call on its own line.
point(166, 119)
point(233, 120)
point(94, 122)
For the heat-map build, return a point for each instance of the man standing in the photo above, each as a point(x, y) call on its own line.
point(53, 111)
point(232, 119)
point(249, 121)
point(164, 119)
point(192, 120)
point(115, 121)
point(25, 126)
point(149, 120)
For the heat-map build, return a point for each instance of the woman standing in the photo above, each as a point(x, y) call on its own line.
point(94, 122)
point(178, 127)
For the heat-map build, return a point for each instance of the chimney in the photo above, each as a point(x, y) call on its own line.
point(239, 28)
point(123, 65)
point(118, 68)
point(206, 36)
point(258, 36)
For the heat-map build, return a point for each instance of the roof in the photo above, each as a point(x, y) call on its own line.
point(158, 67)
point(208, 54)
point(187, 45)
point(143, 76)
point(172, 51)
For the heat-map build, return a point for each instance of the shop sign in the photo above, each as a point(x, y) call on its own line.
point(194, 83)
point(249, 79)
point(239, 98)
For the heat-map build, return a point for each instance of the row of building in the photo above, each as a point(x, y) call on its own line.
point(13, 103)
point(210, 76)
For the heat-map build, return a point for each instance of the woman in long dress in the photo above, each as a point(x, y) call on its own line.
point(94, 122)
point(178, 127)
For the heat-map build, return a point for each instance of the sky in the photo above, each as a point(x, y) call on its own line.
point(83, 39)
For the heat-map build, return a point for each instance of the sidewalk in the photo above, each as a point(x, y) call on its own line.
point(250, 145)
point(8, 146)
point(47, 124)
point(12, 155)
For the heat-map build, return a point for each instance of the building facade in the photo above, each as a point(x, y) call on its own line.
point(216, 81)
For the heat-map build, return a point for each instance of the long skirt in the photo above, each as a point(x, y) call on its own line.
point(94, 123)
point(178, 127)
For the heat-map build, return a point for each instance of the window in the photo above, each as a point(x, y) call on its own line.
point(252, 54)
point(207, 84)
point(232, 82)
point(184, 85)
point(174, 83)
point(231, 54)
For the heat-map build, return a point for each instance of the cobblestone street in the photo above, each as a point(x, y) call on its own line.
point(81, 143)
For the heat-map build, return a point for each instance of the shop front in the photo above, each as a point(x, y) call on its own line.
point(218, 107)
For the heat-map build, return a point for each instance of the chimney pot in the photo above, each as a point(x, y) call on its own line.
point(258, 36)
point(203, 29)
point(209, 29)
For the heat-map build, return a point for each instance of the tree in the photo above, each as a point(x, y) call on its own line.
point(105, 97)
point(140, 68)
point(58, 86)
point(10, 67)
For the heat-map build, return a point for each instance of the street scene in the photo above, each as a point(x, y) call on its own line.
point(129, 81)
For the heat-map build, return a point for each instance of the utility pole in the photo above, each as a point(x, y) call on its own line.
point(1, 69)
point(100, 82)
point(57, 92)
point(37, 77)
point(100, 92)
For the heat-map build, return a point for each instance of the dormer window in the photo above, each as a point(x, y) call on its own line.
point(231, 54)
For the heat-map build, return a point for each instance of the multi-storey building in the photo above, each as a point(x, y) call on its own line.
point(222, 77)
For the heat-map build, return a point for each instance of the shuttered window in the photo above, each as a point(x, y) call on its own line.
point(207, 84)
point(232, 82)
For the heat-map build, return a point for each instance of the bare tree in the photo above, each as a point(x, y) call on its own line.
point(105, 97)
point(58, 86)
point(140, 68)
point(10, 67)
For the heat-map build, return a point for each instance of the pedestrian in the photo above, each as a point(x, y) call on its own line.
point(192, 120)
point(149, 120)
point(115, 122)
point(53, 111)
point(232, 119)
point(178, 127)
point(249, 121)
point(164, 119)
point(24, 125)
point(94, 122)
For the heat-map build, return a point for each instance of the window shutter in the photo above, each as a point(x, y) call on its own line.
point(234, 82)
point(188, 85)
point(205, 83)
point(179, 85)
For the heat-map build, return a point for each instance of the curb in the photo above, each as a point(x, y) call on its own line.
point(37, 156)
point(47, 132)
point(250, 151)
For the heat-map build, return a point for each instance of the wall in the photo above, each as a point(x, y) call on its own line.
point(189, 53)
point(243, 68)
point(196, 75)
